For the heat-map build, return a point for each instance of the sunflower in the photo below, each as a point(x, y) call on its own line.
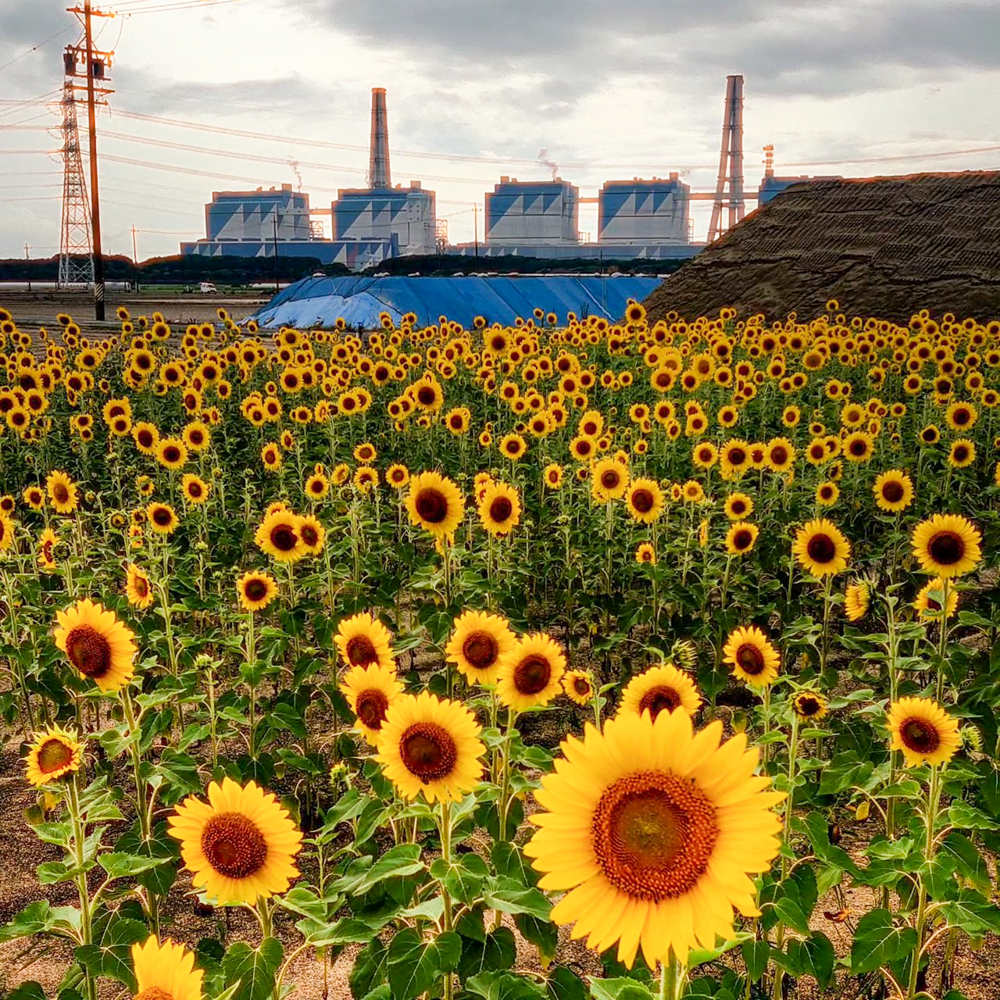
point(255, 590)
point(780, 456)
point(435, 503)
point(432, 746)
point(478, 642)
point(530, 673)
point(858, 446)
point(55, 753)
point(553, 475)
point(734, 458)
point(34, 497)
point(278, 536)
point(240, 845)
point(165, 971)
point(645, 554)
point(893, 490)
point(312, 533)
point(610, 480)
point(651, 831)
point(751, 656)
point(738, 506)
point(138, 589)
point(929, 602)
point(644, 500)
point(270, 455)
point(962, 453)
point(46, 544)
point(171, 453)
point(363, 641)
point(946, 545)
point(741, 538)
point(856, 599)
point(370, 691)
point(63, 493)
point(923, 730)
point(161, 517)
point(317, 486)
point(578, 686)
point(97, 644)
point(821, 548)
point(809, 706)
point(827, 493)
point(194, 489)
point(397, 476)
point(658, 688)
point(500, 509)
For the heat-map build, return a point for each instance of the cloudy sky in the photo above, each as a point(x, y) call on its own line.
point(603, 89)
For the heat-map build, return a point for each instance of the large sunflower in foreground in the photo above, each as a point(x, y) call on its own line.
point(165, 971)
point(363, 641)
point(658, 688)
point(97, 644)
point(430, 745)
point(923, 730)
point(435, 504)
point(821, 548)
point(370, 691)
point(477, 644)
point(240, 845)
point(750, 653)
point(54, 753)
point(530, 673)
point(652, 831)
point(947, 545)
point(500, 509)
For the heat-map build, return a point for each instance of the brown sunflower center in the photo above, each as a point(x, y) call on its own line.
point(425, 396)
point(371, 708)
point(532, 674)
point(171, 453)
point(255, 589)
point(643, 500)
point(431, 505)
point(610, 479)
point(141, 585)
point(737, 456)
point(194, 490)
point(858, 447)
point(501, 509)
point(284, 537)
point(60, 492)
point(481, 650)
point(54, 755)
point(751, 659)
point(162, 516)
point(743, 539)
point(428, 751)
point(654, 834)
point(946, 548)
point(88, 651)
point(961, 453)
point(961, 417)
point(361, 651)
point(821, 549)
point(153, 993)
point(309, 534)
point(919, 736)
point(581, 686)
point(892, 491)
point(233, 845)
point(144, 438)
point(658, 699)
point(779, 456)
point(808, 706)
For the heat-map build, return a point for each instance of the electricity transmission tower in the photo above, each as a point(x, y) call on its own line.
point(76, 252)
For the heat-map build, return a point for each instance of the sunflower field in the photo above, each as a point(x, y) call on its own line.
point(563, 661)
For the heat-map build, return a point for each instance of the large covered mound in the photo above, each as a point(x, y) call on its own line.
point(500, 299)
point(880, 247)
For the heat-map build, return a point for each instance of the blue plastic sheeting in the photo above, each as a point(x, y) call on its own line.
point(316, 302)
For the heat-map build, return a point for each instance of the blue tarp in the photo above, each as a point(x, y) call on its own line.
point(315, 302)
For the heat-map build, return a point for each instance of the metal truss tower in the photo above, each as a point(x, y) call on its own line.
point(76, 248)
point(730, 162)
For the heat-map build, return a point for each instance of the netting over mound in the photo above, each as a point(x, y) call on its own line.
point(315, 302)
point(881, 247)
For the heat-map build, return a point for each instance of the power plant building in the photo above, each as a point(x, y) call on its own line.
point(405, 216)
point(531, 213)
point(276, 213)
point(644, 211)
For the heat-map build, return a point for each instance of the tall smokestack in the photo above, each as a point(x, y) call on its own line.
point(378, 160)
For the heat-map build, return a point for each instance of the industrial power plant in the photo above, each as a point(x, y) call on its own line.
point(637, 218)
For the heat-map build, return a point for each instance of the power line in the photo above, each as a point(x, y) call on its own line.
point(35, 48)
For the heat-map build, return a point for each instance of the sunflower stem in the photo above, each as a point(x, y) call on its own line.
point(942, 640)
point(445, 827)
point(134, 739)
point(79, 839)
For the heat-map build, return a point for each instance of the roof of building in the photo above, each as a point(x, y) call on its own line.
point(359, 300)
point(883, 246)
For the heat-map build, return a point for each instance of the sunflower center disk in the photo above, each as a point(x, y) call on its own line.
point(946, 548)
point(153, 993)
point(428, 751)
point(361, 651)
point(432, 506)
point(60, 493)
point(480, 650)
point(821, 549)
point(919, 736)
point(501, 509)
point(371, 708)
point(582, 686)
point(654, 834)
point(893, 492)
point(88, 651)
point(659, 699)
point(532, 674)
point(53, 756)
point(742, 539)
point(642, 501)
point(284, 538)
point(609, 480)
point(255, 590)
point(750, 659)
point(233, 845)
point(808, 707)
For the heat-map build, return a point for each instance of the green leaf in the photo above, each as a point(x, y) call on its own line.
point(40, 918)
point(497, 952)
point(397, 862)
point(414, 964)
point(819, 837)
point(974, 913)
point(963, 856)
point(509, 863)
point(877, 941)
point(119, 865)
point(27, 991)
point(255, 969)
point(507, 896)
point(369, 969)
point(564, 984)
point(111, 956)
point(967, 817)
point(756, 955)
point(621, 988)
point(820, 958)
point(463, 877)
point(504, 986)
